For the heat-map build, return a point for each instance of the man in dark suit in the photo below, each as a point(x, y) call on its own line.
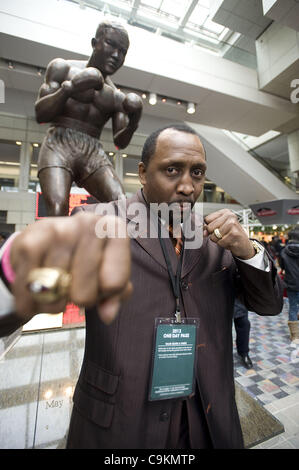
point(112, 409)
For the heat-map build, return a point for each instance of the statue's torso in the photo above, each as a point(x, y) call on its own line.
point(93, 107)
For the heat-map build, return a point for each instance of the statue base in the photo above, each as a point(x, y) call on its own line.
point(258, 425)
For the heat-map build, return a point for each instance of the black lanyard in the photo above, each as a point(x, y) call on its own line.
point(175, 279)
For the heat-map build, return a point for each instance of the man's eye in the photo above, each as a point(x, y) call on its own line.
point(171, 170)
point(198, 172)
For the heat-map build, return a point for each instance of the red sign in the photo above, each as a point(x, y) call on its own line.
point(293, 211)
point(75, 200)
point(266, 212)
point(73, 314)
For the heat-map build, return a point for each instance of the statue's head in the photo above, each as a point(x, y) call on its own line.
point(110, 46)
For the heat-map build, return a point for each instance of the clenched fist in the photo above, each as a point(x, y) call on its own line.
point(96, 256)
point(234, 237)
point(83, 85)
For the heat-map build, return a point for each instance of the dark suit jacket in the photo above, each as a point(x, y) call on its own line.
point(111, 406)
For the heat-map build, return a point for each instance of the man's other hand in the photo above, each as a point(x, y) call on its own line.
point(233, 235)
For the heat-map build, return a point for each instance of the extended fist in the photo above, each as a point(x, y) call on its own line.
point(99, 263)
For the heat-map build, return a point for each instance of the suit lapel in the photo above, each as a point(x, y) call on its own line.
point(192, 255)
point(139, 218)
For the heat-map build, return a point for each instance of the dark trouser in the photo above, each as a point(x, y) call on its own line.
point(293, 304)
point(242, 326)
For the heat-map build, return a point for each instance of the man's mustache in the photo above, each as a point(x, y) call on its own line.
point(182, 202)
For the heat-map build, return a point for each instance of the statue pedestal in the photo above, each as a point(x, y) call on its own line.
point(258, 425)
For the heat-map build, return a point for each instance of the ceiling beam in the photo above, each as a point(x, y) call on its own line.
point(188, 13)
point(134, 10)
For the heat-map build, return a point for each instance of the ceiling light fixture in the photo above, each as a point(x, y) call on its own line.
point(18, 142)
point(152, 99)
point(190, 108)
point(10, 65)
point(155, 98)
point(124, 155)
point(35, 145)
point(9, 163)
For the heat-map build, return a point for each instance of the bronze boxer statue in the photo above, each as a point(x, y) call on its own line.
point(78, 98)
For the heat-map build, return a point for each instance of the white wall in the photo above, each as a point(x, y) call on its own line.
point(20, 208)
point(237, 172)
point(278, 59)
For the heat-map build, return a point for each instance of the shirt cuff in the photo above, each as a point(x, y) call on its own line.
point(259, 261)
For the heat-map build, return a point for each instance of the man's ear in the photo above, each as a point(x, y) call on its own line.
point(142, 173)
point(93, 42)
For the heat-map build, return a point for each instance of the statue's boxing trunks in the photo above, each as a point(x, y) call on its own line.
point(76, 152)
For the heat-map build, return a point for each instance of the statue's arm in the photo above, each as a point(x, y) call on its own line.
point(125, 121)
point(56, 89)
point(54, 92)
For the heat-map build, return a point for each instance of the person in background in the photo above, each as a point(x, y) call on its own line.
point(264, 242)
point(290, 266)
point(278, 246)
point(242, 327)
point(271, 249)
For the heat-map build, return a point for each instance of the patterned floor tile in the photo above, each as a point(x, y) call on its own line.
point(275, 372)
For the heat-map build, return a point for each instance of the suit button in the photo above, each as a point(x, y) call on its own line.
point(164, 416)
point(184, 285)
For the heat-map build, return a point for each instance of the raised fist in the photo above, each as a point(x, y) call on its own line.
point(132, 103)
point(83, 85)
point(89, 78)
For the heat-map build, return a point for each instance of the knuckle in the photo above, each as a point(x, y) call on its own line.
point(234, 231)
point(83, 298)
point(23, 244)
point(112, 285)
point(233, 221)
point(57, 232)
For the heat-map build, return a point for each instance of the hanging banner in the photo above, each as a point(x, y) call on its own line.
point(280, 211)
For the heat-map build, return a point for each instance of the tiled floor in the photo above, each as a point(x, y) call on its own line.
point(38, 374)
point(274, 379)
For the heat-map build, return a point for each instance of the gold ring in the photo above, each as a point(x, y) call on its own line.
point(217, 233)
point(48, 285)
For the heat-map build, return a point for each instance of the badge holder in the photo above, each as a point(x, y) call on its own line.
point(174, 357)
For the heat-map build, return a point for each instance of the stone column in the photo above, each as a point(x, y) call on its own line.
point(293, 145)
point(25, 161)
point(119, 166)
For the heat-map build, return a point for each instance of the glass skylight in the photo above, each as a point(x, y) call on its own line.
point(187, 20)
